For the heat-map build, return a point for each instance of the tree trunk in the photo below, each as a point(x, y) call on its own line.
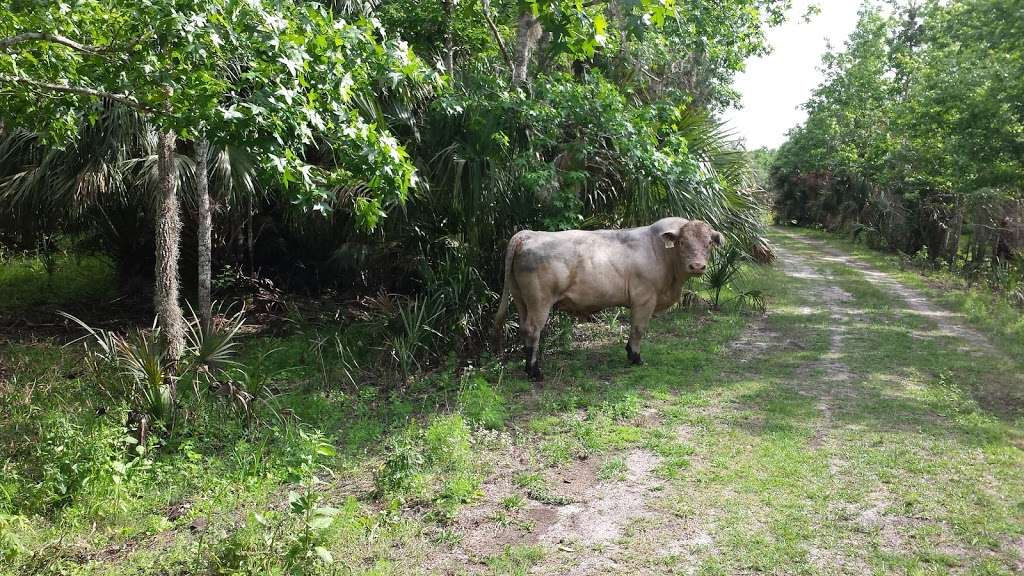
point(205, 225)
point(168, 237)
point(250, 240)
point(527, 34)
point(449, 39)
point(953, 245)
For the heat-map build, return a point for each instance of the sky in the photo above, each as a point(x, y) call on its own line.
point(773, 87)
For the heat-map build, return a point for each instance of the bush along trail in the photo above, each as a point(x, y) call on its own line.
point(856, 428)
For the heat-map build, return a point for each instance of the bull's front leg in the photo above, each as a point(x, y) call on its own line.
point(642, 309)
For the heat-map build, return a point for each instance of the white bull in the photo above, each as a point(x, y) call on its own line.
point(582, 272)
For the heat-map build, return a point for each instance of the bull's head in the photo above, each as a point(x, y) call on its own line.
point(693, 243)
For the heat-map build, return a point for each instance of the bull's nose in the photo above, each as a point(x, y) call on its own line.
point(697, 267)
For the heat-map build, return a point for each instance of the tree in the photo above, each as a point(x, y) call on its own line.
point(278, 77)
point(915, 131)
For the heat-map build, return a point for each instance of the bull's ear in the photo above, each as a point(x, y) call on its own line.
point(716, 238)
point(669, 238)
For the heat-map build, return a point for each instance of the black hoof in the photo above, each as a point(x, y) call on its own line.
point(634, 357)
point(533, 373)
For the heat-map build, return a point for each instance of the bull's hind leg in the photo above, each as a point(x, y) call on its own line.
point(532, 328)
point(642, 310)
point(524, 312)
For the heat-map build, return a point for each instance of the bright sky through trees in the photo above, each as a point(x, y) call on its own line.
point(773, 86)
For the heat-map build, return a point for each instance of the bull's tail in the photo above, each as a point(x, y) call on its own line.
point(506, 292)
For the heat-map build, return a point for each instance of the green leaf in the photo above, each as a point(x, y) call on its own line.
point(323, 554)
point(600, 29)
point(322, 517)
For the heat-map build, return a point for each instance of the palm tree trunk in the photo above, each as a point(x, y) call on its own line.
point(205, 225)
point(527, 34)
point(168, 237)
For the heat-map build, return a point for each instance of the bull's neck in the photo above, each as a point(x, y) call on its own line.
point(679, 276)
point(676, 272)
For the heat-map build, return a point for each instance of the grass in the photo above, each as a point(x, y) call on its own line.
point(829, 437)
point(25, 282)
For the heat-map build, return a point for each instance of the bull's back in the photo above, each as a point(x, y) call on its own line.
point(578, 271)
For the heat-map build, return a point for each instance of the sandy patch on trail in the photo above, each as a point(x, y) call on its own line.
point(587, 536)
point(599, 516)
point(594, 515)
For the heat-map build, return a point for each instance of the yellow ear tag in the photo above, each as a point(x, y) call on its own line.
point(670, 243)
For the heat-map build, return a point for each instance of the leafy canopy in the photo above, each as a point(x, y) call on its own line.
point(277, 77)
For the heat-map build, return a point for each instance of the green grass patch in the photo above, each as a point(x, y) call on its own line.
point(34, 282)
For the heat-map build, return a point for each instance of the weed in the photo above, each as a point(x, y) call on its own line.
point(413, 335)
point(723, 272)
point(272, 543)
point(243, 385)
point(612, 469)
point(447, 440)
point(560, 330)
point(626, 408)
point(508, 518)
point(308, 448)
point(212, 348)
point(73, 460)
point(724, 268)
point(403, 461)
point(447, 536)
point(515, 560)
point(578, 437)
point(753, 300)
point(152, 379)
point(513, 502)
point(482, 404)
point(453, 281)
point(431, 465)
point(458, 489)
point(313, 521)
point(12, 532)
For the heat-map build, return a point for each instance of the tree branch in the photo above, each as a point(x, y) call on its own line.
point(6, 43)
point(77, 90)
point(486, 9)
